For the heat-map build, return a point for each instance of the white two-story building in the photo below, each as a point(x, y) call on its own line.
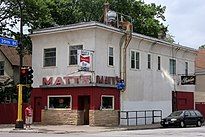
point(64, 94)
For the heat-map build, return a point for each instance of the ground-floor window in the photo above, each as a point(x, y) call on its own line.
point(107, 102)
point(59, 102)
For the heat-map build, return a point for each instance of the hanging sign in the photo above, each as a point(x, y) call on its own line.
point(84, 60)
point(188, 80)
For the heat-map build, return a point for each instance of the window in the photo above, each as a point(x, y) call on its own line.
point(172, 66)
point(159, 63)
point(149, 61)
point(110, 57)
point(186, 68)
point(73, 59)
point(1, 67)
point(192, 113)
point(107, 102)
point(49, 57)
point(60, 102)
point(187, 113)
point(135, 60)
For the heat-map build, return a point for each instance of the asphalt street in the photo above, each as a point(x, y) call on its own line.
point(161, 132)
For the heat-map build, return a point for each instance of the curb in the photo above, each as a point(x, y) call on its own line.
point(67, 131)
point(24, 131)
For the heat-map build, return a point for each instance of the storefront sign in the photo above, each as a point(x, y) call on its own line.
point(106, 80)
point(188, 80)
point(67, 80)
point(84, 59)
point(81, 80)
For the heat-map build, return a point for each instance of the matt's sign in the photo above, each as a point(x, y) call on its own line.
point(188, 80)
point(67, 80)
point(78, 80)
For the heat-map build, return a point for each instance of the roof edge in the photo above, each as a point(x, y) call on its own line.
point(93, 24)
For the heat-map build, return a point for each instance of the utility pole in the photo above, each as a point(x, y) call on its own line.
point(19, 122)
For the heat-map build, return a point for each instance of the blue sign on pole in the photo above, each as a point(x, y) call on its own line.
point(8, 42)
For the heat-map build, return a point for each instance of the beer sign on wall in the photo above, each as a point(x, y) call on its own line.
point(84, 60)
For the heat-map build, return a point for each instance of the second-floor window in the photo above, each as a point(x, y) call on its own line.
point(1, 67)
point(149, 61)
point(110, 56)
point(49, 57)
point(186, 68)
point(172, 66)
point(159, 63)
point(135, 60)
point(73, 54)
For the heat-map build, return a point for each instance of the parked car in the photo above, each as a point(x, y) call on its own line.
point(182, 118)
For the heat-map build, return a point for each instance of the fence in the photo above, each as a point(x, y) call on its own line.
point(8, 113)
point(141, 117)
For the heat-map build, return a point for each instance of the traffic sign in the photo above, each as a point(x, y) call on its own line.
point(8, 42)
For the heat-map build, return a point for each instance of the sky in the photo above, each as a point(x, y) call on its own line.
point(185, 20)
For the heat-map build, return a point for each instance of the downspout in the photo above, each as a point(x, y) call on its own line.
point(121, 53)
point(124, 42)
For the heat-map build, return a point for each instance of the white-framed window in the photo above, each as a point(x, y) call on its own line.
point(135, 60)
point(73, 54)
point(158, 63)
point(49, 57)
point(186, 68)
point(59, 102)
point(2, 67)
point(149, 61)
point(110, 56)
point(107, 102)
point(172, 66)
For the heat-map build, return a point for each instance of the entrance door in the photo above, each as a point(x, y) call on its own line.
point(37, 109)
point(84, 105)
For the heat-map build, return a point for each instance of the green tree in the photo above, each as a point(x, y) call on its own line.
point(35, 14)
point(8, 91)
point(202, 47)
point(39, 14)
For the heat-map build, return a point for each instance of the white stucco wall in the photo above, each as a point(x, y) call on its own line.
point(61, 41)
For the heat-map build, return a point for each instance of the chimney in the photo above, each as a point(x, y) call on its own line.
point(106, 9)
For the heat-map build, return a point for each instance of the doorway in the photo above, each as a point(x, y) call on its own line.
point(37, 109)
point(84, 105)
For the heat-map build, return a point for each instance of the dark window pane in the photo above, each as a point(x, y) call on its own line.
point(59, 102)
point(111, 57)
point(111, 61)
point(186, 68)
point(149, 61)
point(137, 60)
point(50, 57)
point(133, 64)
point(172, 66)
point(159, 63)
point(107, 102)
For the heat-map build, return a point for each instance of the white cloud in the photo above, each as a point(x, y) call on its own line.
point(185, 19)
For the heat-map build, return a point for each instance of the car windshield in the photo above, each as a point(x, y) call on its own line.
point(176, 113)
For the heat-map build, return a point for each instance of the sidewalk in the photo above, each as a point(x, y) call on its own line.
point(65, 129)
